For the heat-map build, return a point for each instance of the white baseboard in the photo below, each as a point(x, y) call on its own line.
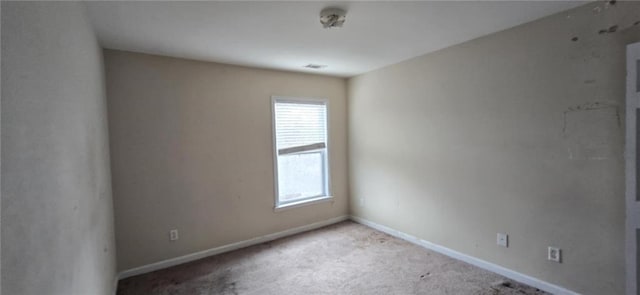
point(226, 248)
point(531, 281)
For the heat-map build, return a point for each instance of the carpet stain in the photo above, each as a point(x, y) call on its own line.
point(346, 258)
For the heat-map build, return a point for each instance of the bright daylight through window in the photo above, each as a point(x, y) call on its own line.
point(300, 127)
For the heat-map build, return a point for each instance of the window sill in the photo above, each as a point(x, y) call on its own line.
point(302, 203)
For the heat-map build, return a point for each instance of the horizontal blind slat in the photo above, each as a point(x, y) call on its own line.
point(299, 124)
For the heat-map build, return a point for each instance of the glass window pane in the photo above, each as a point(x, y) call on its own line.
point(300, 176)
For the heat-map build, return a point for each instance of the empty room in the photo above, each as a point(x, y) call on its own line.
point(320, 147)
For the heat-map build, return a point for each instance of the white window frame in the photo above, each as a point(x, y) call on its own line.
point(327, 179)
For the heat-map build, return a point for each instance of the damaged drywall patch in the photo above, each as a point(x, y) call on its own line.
point(605, 17)
point(592, 130)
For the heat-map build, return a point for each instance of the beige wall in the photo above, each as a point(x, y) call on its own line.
point(191, 149)
point(518, 132)
point(57, 214)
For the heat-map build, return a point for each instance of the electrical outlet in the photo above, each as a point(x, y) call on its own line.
point(361, 202)
point(173, 234)
point(503, 240)
point(554, 254)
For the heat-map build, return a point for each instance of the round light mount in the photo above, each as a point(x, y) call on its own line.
point(332, 17)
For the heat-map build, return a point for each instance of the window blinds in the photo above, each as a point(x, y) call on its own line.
point(300, 126)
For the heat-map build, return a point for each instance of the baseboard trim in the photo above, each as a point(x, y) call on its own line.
point(226, 248)
point(531, 281)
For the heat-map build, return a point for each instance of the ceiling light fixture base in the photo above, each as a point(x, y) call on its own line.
point(332, 17)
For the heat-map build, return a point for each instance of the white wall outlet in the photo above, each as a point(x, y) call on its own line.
point(361, 201)
point(554, 254)
point(173, 234)
point(503, 240)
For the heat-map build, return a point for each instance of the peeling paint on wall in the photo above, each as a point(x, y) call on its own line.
point(588, 130)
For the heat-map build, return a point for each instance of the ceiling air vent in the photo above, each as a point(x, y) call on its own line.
point(315, 66)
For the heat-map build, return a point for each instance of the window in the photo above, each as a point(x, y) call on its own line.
point(300, 139)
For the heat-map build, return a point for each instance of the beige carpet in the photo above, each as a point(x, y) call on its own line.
point(345, 258)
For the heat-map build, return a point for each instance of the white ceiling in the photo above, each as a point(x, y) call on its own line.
point(288, 35)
